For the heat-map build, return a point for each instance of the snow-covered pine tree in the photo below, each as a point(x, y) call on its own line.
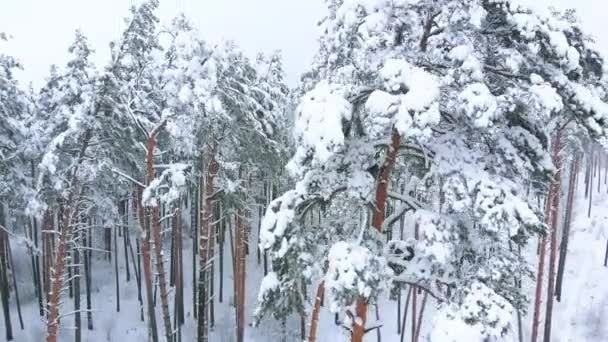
point(70, 125)
point(468, 92)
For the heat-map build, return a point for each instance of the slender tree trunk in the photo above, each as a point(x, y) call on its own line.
point(125, 236)
point(358, 327)
point(405, 311)
point(240, 261)
point(158, 246)
point(147, 266)
point(35, 257)
point(47, 255)
point(378, 329)
point(268, 195)
point(35, 276)
point(222, 237)
point(314, 321)
point(14, 276)
point(587, 172)
point(116, 275)
point(590, 184)
point(211, 270)
point(566, 231)
point(204, 233)
point(194, 226)
point(52, 324)
point(555, 205)
point(553, 191)
point(86, 242)
point(420, 316)
point(136, 270)
point(4, 287)
point(76, 265)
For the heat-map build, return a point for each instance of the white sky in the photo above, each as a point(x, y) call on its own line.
point(43, 29)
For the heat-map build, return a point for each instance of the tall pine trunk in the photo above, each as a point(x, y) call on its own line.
point(158, 245)
point(240, 240)
point(314, 321)
point(566, 231)
point(555, 203)
point(86, 241)
point(52, 324)
point(147, 266)
point(358, 326)
point(4, 287)
point(549, 213)
point(206, 214)
point(76, 265)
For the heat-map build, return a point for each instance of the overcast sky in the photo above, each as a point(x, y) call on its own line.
point(43, 29)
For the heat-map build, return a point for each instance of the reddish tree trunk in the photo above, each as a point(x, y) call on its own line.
point(314, 322)
point(147, 264)
point(553, 191)
point(556, 184)
point(158, 246)
point(240, 276)
point(206, 214)
point(566, 231)
point(52, 324)
point(358, 327)
point(384, 180)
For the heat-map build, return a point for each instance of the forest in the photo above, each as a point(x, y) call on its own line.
point(438, 174)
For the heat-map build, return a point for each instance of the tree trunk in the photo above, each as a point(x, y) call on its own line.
point(541, 258)
point(14, 273)
point(420, 316)
point(47, 255)
point(4, 287)
point(358, 326)
point(590, 184)
point(194, 226)
point(52, 324)
point(405, 311)
point(240, 276)
point(555, 215)
point(211, 270)
point(147, 265)
point(86, 242)
point(125, 235)
point(378, 329)
point(222, 239)
point(314, 321)
point(204, 233)
point(158, 246)
point(566, 231)
point(76, 265)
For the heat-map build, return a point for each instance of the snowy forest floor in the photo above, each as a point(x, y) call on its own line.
point(580, 316)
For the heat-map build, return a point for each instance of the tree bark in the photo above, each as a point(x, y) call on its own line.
point(240, 276)
point(4, 287)
point(147, 266)
point(86, 238)
point(312, 336)
point(52, 324)
point(566, 231)
point(206, 213)
point(378, 215)
point(77, 319)
point(158, 246)
point(555, 204)
point(116, 275)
